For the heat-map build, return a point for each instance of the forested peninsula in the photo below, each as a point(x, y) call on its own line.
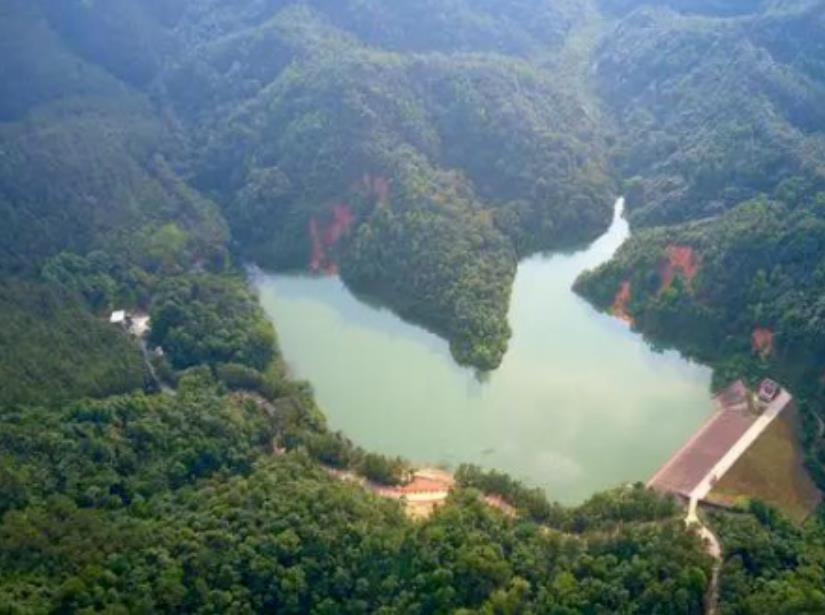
point(150, 150)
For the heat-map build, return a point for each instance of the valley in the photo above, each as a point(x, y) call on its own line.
point(429, 187)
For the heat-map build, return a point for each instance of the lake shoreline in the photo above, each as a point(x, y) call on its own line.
point(571, 372)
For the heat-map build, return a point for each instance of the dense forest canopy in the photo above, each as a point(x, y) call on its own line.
point(711, 113)
point(286, 114)
point(149, 149)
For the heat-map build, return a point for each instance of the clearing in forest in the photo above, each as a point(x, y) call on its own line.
point(620, 303)
point(762, 342)
point(679, 260)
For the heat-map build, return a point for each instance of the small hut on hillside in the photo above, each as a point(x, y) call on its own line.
point(120, 318)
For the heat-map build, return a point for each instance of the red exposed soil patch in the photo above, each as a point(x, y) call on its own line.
point(339, 225)
point(326, 231)
point(497, 502)
point(619, 309)
point(376, 186)
point(427, 490)
point(418, 485)
point(762, 341)
point(323, 237)
point(681, 260)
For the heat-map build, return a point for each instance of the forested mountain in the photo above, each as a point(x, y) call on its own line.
point(721, 138)
point(42, 327)
point(742, 292)
point(148, 149)
point(723, 151)
point(169, 504)
point(81, 152)
point(395, 159)
point(297, 117)
point(712, 112)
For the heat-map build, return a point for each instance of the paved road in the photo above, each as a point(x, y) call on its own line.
point(773, 410)
point(713, 548)
point(712, 544)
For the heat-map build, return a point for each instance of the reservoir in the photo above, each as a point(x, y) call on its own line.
point(579, 404)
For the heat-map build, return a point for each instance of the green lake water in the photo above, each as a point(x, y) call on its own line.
point(579, 404)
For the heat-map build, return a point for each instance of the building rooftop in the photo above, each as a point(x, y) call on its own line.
point(768, 390)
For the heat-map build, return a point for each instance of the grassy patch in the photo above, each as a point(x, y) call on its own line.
point(772, 471)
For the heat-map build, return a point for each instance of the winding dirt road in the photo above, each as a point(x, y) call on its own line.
point(713, 548)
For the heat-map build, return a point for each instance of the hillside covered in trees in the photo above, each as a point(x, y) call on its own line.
point(712, 112)
point(149, 149)
point(723, 162)
point(741, 292)
point(331, 144)
point(175, 504)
